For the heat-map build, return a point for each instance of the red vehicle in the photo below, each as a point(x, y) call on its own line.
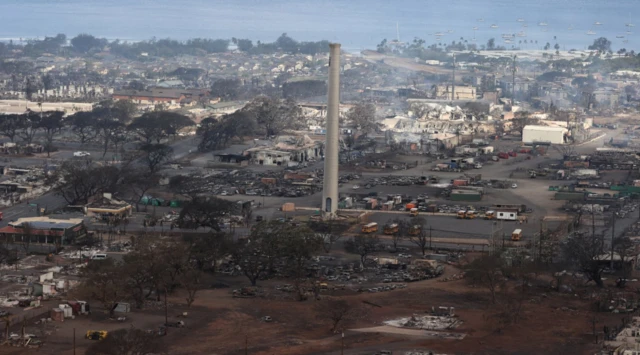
point(503, 155)
point(513, 154)
point(1, 215)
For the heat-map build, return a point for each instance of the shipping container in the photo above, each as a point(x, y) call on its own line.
point(465, 195)
point(460, 182)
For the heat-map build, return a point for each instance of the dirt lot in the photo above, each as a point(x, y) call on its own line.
point(219, 324)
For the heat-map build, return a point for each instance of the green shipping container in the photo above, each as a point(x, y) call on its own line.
point(463, 195)
point(569, 196)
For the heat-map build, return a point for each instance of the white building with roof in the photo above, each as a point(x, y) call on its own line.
point(543, 134)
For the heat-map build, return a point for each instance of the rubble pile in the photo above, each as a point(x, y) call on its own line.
point(428, 322)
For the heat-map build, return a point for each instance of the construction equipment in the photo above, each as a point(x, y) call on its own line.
point(532, 174)
point(413, 212)
point(490, 215)
point(96, 334)
point(370, 227)
point(516, 235)
point(461, 214)
point(470, 214)
point(390, 229)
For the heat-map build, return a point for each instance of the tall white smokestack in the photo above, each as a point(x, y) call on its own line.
point(331, 147)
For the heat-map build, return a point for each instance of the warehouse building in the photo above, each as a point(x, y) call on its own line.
point(543, 134)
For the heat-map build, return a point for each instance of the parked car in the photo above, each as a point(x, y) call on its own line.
point(81, 154)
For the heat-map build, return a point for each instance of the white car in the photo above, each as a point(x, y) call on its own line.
point(355, 187)
point(81, 154)
point(514, 186)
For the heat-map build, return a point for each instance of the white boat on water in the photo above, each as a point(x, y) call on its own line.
point(619, 36)
point(520, 20)
point(542, 24)
point(521, 34)
point(629, 32)
point(475, 28)
point(598, 23)
point(494, 26)
point(591, 33)
point(629, 25)
point(480, 20)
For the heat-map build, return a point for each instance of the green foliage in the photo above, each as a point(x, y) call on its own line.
point(553, 76)
point(601, 44)
point(84, 42)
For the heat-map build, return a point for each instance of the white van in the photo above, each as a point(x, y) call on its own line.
point(99, 257)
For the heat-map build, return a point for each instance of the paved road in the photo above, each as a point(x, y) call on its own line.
point(449, 226)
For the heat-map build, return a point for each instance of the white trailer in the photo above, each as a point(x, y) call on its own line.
point(539, 134)
point(507, 215)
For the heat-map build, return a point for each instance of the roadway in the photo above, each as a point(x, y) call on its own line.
point(450, 226)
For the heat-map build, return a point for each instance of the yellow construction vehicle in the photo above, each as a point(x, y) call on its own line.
point(470, 214)
point(96, 334)
point(490, 215)
point(413, 212)
point(461, 214)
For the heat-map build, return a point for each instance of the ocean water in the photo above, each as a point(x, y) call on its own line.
point(357, 24)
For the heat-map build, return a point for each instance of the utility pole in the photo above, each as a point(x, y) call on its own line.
point(453, 82)
point(74, 341)
point(430, 247)
point(513, 70)
point(166, 310)
point(246, 344)
point(540, 241)
point(342, 346)
point(613, 235)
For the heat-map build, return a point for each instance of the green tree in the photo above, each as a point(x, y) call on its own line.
point(83, 42)
point(601, 45)
point(491, 44)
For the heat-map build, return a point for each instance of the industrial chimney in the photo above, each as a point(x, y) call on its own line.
point(331, 147)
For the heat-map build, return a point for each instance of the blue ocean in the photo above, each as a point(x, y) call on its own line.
point(357, 24)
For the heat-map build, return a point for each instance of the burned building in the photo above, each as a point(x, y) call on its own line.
point(286, 149)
